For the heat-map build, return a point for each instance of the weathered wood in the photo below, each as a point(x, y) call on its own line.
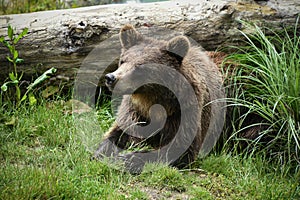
point(63, 38)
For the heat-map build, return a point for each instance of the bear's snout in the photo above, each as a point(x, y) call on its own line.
point(110, 79)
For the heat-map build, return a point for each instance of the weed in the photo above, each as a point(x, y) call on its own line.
point(14, 76)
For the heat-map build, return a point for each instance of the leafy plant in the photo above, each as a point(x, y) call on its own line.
point(265, 81)
point(14, 59)
point(14, 76)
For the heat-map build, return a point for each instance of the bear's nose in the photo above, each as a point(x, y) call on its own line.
point(110, 78)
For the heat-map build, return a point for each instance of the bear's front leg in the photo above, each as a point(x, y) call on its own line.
point(107, 148)
point(134, 162)
point(115, 142)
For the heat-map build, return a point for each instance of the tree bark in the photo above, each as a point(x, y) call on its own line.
point(63, 38)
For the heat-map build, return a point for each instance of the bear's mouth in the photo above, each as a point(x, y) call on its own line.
point(128, 89)
point(110, 86)
point(120, 89)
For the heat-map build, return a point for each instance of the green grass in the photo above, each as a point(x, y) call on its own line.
point(266, 82)
point(25, 6)
point(45, 152)
point(42, 157)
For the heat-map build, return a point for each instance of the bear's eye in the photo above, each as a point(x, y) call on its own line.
point(121, 62)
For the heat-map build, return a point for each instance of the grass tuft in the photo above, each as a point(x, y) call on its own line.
point(265, 82)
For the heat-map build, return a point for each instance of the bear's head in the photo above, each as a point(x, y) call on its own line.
point(144, 57)
point(138, 50)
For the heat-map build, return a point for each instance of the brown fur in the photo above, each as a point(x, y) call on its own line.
point(194, 65)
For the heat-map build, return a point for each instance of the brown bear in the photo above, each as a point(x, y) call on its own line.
point(160, 112)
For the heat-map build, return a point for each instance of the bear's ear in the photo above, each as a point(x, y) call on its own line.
point(178, 47)
point(129, 36)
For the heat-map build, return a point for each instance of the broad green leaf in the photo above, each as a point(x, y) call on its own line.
point(19, 60)
point(42, 78)
point(7, 44)
point(15, 82)
point(16, 55)
point(10, 32)
point(12, 76)
point(24, 98)
point(4, 87)
point(24, 32)
point(32, 99)
point(3, 41)
point(21, 35)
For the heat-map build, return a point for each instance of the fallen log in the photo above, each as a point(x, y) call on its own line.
point(63, 38)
